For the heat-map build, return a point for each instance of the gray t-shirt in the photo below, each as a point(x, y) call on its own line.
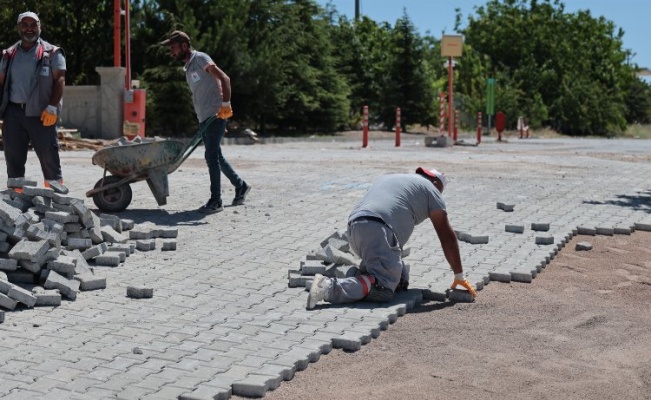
point(402, 201)
point(206, 91)
point(23, 72)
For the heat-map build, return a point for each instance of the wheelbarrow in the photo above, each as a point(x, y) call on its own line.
point(134, 162)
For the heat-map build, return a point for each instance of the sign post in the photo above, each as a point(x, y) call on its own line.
point(490, 101)
point(451, 46)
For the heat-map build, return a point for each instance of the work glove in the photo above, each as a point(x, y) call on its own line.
point(49, 116)
point(460, 280)
point(225, 111)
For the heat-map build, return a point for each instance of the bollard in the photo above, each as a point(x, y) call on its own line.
point(479, 127)
point(456, 125)
point(365, 128)
point(442, 113)
point(398, 127)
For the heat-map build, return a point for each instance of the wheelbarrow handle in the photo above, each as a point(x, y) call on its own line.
point(191, 146)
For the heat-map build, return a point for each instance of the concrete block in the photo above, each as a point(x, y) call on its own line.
point(339, 244)
point(4, 247)
point(52, 226)
point(61, 217)
point(621, 230)
point(8, 264)
point(140, 292)
point(84, 214)
point(438, 141)
point(584, 230)
point(7, 302)
point(62, 199)
point(344, 271)
point(583, 246)
point(46, 298)
point(124, 248)
point(641, 226)
point(20, 276)
point(33, 267)
point(472, 239)
point(28, 250)
point(22, 296)
point(169, 245)
point(297, 280)
point(110, 235)
point(602, 230)
point(38, 191)
point(145, 245)
point(79, 244)
point(72, 227)
point(127, 224)
point(462, 236)
point(335, 235)
point(166, 233)
point(2, 317)
point(95, 251)
point(108, 260)
point(514, 228)
point(20, 182)
point(460, 296)
point(111, 220)
point(525, 277)
point(500, 276)
point(65, 265)
point(540, 226)
point(8, 214)
point(312, 267)
point(88, 281)
point(544, 240)
point(67, 287)
point(505, 207)
point(63, 207)
point(338, 257)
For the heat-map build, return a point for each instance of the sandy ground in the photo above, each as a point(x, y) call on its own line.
point(581, 330)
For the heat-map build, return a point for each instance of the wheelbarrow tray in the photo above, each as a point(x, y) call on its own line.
point(136, 160)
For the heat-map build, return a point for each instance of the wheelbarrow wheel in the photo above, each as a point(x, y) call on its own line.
point(112, 200)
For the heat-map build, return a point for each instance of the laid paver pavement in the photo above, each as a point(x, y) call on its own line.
point(223, 320)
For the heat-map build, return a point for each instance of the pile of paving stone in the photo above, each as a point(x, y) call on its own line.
point(51, 242)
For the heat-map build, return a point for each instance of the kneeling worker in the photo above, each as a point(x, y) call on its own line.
point(378, 228)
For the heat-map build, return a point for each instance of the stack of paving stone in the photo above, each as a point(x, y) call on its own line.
point(47, 240)
point(332, 259)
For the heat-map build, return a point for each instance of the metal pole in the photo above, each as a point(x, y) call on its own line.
point(398, 127)
point(117, 61)
point(356, 10)
point(127, 43)
point(450, 98)
point(365, 128)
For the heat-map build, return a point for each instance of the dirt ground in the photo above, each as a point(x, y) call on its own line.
point(581, 330)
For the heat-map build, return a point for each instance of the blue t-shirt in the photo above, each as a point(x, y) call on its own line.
point(206, 90)
point(402, 201)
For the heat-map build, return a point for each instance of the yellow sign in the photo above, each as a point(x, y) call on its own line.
point(451, 45)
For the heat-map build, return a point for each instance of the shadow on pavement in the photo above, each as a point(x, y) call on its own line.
point(163, 217)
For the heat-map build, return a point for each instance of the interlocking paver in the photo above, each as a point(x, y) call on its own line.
point(220, 311)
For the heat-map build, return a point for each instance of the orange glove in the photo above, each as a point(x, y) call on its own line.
point(225, 111)
point(460, 280)
point(49, 116)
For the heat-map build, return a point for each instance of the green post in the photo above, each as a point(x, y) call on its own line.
point(490, 100)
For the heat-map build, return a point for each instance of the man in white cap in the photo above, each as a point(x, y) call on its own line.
point(32, 76)
point(378, 228)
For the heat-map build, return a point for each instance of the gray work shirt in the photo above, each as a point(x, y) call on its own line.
point(23, 72)
point(206, 91)
point(402, 201)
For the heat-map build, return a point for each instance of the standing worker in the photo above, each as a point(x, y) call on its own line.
point(211, 94)
point(32, 76)
point(378, 228)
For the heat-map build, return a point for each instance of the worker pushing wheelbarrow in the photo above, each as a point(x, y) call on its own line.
point(132, 162)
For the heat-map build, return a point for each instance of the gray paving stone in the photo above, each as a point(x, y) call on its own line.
point(584, 246)
point(514, 228)
point(140, 292)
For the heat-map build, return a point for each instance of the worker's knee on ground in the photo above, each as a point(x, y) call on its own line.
point(379, 294)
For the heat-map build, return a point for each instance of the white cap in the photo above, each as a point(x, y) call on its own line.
point(28, 14)
point(433, 173)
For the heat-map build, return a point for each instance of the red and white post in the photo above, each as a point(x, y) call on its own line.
point(365, 128)
point(456, 125)
point(442, 113)
point(479, 127)
point(398, 127)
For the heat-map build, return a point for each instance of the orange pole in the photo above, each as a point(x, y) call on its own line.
point(456, 124)
point(127, 43)
point(398, 127)
point(365, 128)
point(117, 61)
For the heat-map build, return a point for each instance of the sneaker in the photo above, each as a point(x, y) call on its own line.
point(318, 290)
point(211, 207)
point(379, 294)
point(240, 194)
point(57, 186)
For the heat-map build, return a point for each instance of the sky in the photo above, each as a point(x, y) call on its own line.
point(438, 16)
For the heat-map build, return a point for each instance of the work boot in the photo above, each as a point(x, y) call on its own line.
point(379, 294)
point(211, 207)
point(318, 291)
point(240, 194)
point(56, 185)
